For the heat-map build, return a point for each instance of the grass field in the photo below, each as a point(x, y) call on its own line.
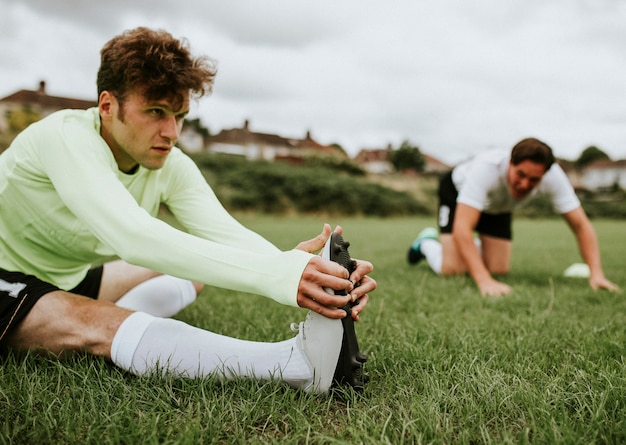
point(544, 365)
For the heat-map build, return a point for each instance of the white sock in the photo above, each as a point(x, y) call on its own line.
point(162, 296)
point(433, 252)
point(145, 344)
point(479, 245)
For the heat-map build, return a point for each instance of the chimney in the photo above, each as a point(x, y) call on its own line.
point(42, 87)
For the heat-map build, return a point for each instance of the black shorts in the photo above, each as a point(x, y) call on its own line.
point(496, 225)
point(20, 292)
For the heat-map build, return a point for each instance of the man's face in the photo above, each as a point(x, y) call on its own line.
point(524, 177)
point(143, 132)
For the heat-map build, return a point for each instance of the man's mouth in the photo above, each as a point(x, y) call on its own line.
point(161, 150)
point(522, 192)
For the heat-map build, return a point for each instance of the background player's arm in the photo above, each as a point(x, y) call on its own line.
point(465, 222)
point(589, 249)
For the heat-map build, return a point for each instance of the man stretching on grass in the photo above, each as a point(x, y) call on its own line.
point(480, 196)
point(79, 188)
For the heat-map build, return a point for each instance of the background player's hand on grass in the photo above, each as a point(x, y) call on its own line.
point(602, 283)
point(494, 288)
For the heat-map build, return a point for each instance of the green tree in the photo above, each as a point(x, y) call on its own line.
point(407, 156)
point(339, 149)
point(589, 155)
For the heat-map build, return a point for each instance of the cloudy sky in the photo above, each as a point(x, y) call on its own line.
point(453, 77)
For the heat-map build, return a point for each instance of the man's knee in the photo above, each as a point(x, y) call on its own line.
point(496, 254)
point(452, 263)
point(453, 269)
point(198, 287)
point(497, 264)
point(498, 269)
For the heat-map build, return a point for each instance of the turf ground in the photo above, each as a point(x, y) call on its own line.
point(544, 365)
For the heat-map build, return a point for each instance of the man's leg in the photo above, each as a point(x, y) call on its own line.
point(496, 254)
point(141, 289)
point(444, 257)
point(452, 262)
point(119, 277)
point(61, 322)
point(434, 250)
point(145, 345)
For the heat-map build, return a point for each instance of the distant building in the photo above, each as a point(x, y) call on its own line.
point(600, 175)
point(377, 161)
point(604, 175)
point(193, 137)
point(434, 165)
point(254, 145)
point(38, 101)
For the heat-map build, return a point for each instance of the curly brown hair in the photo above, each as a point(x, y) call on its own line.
point(155, 64)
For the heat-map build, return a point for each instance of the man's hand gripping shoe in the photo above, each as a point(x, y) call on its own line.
point(350, 364)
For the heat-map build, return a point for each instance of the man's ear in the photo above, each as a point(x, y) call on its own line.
point(106, 103)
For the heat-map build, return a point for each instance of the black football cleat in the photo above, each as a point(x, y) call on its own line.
point(349, 369)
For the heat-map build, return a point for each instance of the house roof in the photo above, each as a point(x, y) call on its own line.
point(244, 136)
point(382, 155)
point(434, 163)
point(570, 166)
point(607, 163)
point(45, 101)
point(373, 155)
point(308, 143)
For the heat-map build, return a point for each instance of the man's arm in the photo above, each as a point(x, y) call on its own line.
point(589, 249)
point(98, 200)
point(195, 205)
point(465, 220)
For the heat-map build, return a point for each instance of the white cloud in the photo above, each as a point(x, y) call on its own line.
point(452, 76)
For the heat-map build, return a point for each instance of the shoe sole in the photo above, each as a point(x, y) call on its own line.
point(349, 369)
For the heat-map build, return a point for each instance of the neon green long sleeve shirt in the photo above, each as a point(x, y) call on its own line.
point(65, 206)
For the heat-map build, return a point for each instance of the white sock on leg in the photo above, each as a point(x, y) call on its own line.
point(479, 245)
point(162, 296)
point(145, 344)
point(433, 252)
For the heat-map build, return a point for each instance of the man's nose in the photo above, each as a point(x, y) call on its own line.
point(525, 183)
point(170, 129)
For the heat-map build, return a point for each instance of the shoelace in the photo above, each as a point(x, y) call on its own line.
point(297, 327)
